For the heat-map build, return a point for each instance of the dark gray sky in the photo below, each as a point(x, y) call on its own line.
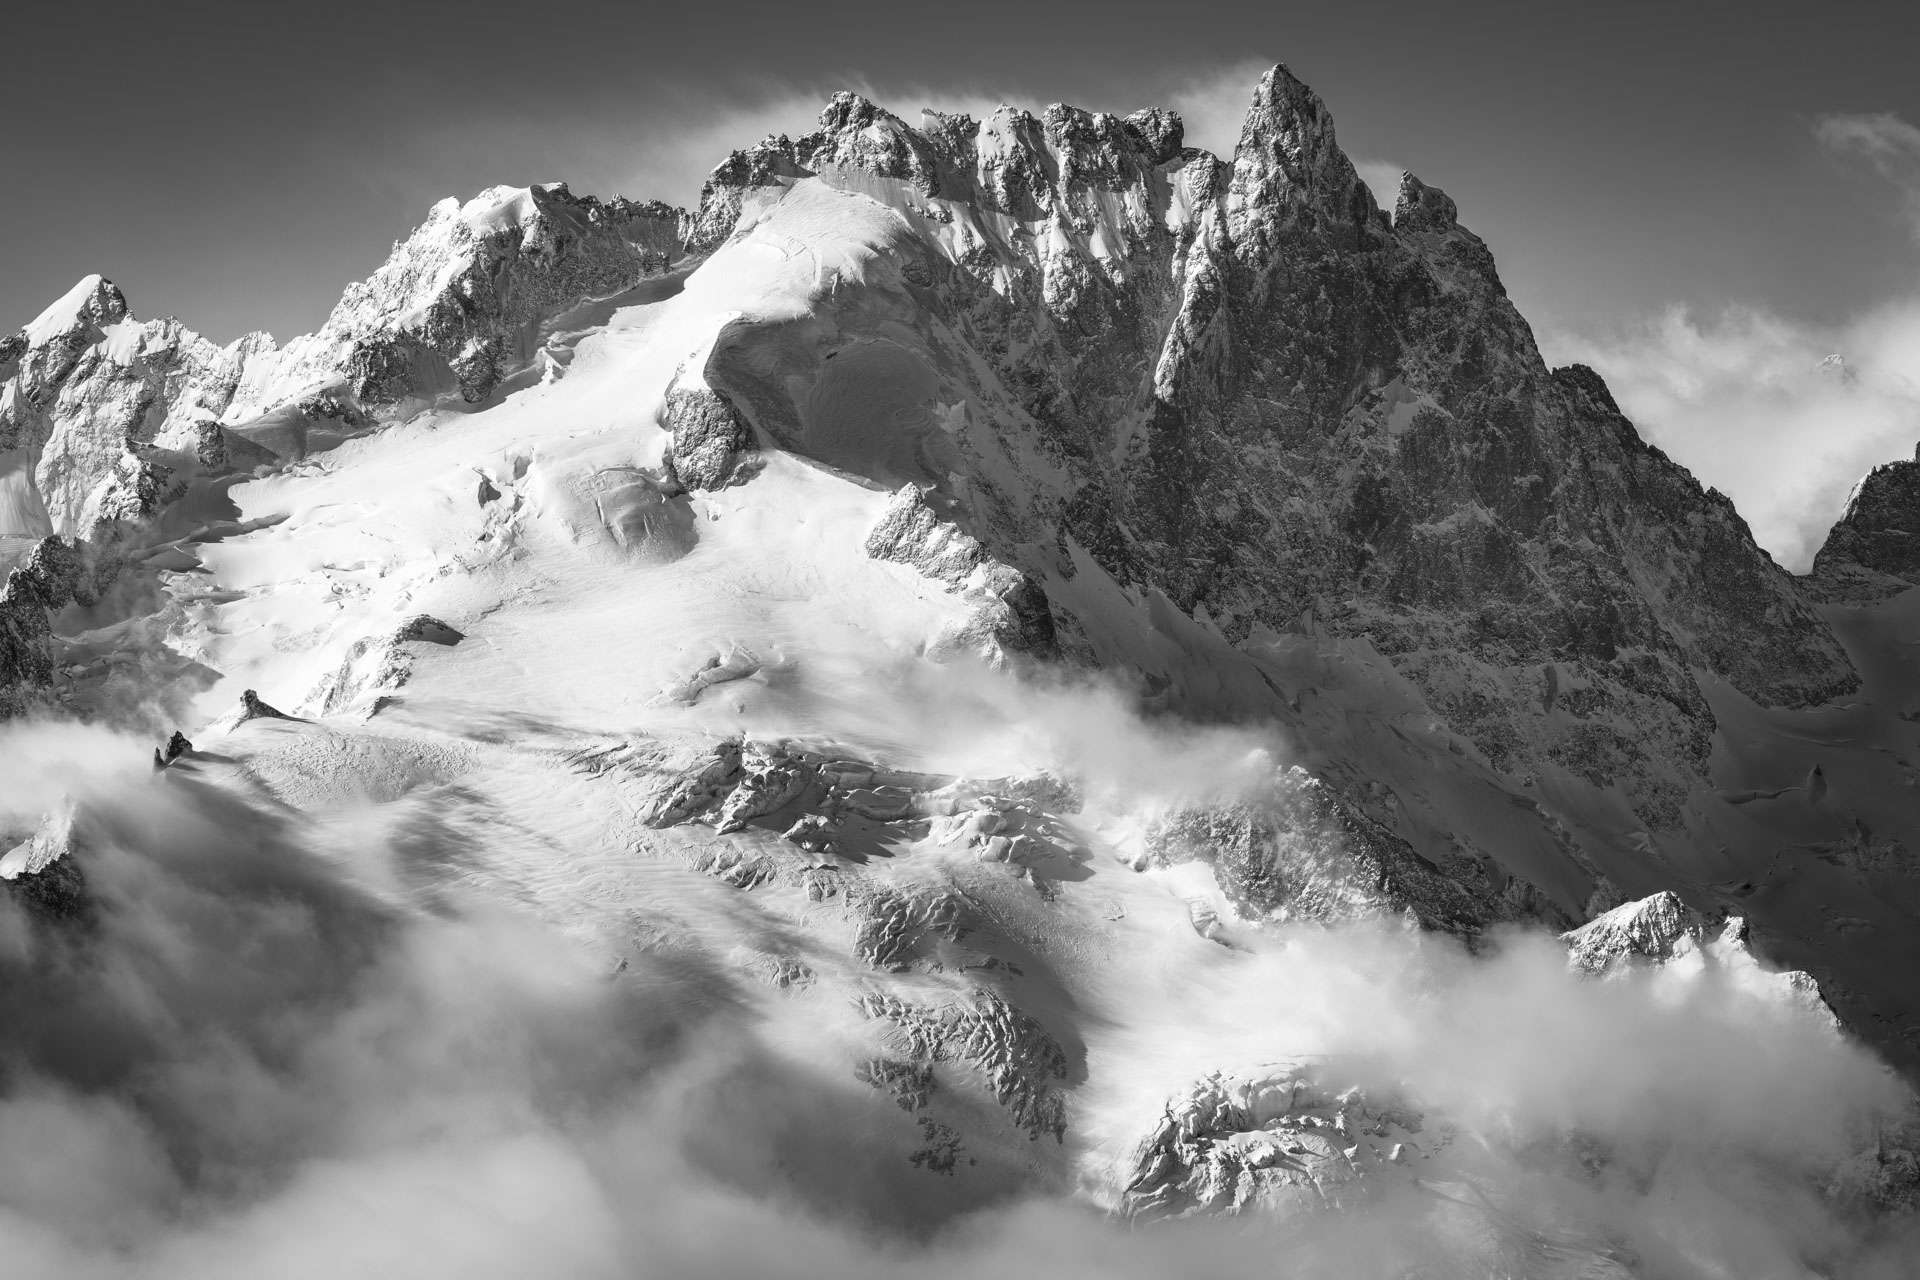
point(236, 164)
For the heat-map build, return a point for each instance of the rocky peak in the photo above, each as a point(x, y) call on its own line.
point(47, 348)
point(1873, 551)
point(1163, 131)
point(1099, 150)
point(455, 299)
point(1426, 219)
point(1289, 171)
point(771, 162)
point(95, 301)
point(1422, 209)
point(856, 134)
point(53, 575)
point(1661, 931)
point(1265, 400)
point(104, 417)
point(102, 407)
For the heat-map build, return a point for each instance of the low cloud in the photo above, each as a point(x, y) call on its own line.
point(267, 1054)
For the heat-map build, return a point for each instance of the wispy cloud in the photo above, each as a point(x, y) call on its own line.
point(1748, 399)
point(1884, 141)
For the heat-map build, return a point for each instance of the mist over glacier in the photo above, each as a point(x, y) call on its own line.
point(297, 1044)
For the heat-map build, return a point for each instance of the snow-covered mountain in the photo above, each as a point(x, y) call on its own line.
point(1009, 619)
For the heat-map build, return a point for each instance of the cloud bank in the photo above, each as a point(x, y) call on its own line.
point(264, 1055)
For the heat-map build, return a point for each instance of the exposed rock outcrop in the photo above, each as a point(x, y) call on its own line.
point(709, 438)
point(1297, 851)
point(1021, 1061)
point(376, 666)
point(1291, 1137)
point(1873, 551)
point(1011, 613)
point(54, 575)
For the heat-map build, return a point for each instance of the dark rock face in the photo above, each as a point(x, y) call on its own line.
point(1012, 608)
point(710, 438)
point(1300, 852)
point(56, 892)
point(253, 707)
point(430, 629)
point(55, 575)
point(41, 873)
point(1243, 386)
point(1874, 550)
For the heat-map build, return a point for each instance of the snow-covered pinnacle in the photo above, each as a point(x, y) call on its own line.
point(1662, 932)
point(460, 293)
point(98, 409)
point(1654, 928)
point(47, 349)
point(95, 301)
